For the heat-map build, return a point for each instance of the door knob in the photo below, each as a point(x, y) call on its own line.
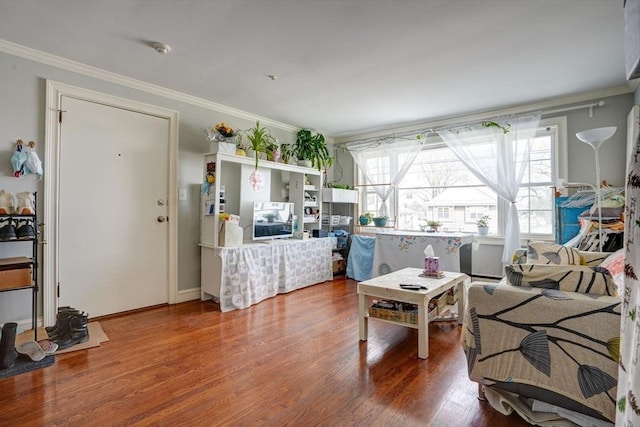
point(161, 202)
point(162, 218)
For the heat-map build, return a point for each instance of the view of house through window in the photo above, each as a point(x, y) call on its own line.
point(438, 187)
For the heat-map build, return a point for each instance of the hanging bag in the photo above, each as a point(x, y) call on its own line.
point(19, 159)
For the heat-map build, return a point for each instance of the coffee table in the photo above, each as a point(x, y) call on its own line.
point(388, 287)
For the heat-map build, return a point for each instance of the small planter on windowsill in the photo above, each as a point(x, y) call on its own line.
point(483, 225)
point(380, 221)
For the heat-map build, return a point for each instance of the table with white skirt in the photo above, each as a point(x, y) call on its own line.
point(242, 276)
point(395, 250)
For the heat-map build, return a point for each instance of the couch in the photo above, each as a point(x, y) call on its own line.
point(549, 332)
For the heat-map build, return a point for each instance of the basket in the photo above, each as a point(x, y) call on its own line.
point(452, 295)
point(345, 220)
point(402, 312)
point(440, 301)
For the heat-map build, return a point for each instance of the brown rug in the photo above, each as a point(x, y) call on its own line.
point(96, 336)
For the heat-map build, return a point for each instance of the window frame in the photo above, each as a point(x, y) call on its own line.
point(559, 161)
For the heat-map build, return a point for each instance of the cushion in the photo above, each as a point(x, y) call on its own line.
point(568, 278)
point(592, 258)
point(550, 253)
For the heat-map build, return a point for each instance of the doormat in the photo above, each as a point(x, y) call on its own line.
point(96, 336)
point(24, 364)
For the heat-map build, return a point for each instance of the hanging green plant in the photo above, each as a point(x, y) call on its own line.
point(489, 124)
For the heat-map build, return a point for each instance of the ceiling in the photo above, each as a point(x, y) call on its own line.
point(341, 66)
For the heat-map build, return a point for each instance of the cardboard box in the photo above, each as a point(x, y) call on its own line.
point(15, 272)
point(339, 266)
point(222, 147)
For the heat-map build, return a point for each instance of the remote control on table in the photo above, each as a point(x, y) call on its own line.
point(412, 287)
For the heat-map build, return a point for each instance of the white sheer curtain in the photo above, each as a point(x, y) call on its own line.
point(377, 157)
point(497, 153)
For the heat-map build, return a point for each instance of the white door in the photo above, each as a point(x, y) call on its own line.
point(113, 190)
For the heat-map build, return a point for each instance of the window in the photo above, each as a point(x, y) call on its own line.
point(438, 187)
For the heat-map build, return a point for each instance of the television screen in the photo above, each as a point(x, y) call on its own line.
point(272, 220)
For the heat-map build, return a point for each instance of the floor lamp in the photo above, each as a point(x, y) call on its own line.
point(595, 138)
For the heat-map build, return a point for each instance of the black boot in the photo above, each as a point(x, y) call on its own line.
point(63, 324)
point(78, 332)
point(61, 319)
point(8, 353)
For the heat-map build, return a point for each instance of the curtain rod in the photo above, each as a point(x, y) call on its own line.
point(404, 134)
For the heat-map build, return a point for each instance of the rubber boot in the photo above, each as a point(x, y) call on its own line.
point(78, 332)
point(59, 319)
point(8, 353)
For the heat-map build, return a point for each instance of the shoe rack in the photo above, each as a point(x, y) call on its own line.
point(21, 272)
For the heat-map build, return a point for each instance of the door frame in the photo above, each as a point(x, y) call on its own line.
point(54, 93)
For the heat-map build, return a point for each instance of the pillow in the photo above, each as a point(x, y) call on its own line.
point(550, 253)
point(615, 264)
point(568, 278)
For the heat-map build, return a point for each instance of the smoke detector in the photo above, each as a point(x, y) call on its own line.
point(161, 48)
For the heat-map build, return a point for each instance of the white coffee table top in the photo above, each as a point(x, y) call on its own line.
point(388, 285)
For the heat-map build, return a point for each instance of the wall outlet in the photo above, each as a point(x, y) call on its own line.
point(182, 194)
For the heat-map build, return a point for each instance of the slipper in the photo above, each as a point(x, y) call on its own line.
point(31, 349)
point(48, 346)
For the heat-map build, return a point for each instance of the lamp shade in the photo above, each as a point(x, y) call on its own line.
point(597, 136)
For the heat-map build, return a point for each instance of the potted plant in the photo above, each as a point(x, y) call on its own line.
point(433, 226)
point(241, 150)
point(259, 138)
point(483, 225)
point(380, 220)
point(285, 153)
point(365, 218)
point(272, 149)
point(311, 149)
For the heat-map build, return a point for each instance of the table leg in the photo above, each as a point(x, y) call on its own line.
point(423, 331)
point(362, 317)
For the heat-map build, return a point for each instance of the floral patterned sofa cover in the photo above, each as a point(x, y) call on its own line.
point(550, 330)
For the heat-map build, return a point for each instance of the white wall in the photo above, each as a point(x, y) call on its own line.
point(22, 113)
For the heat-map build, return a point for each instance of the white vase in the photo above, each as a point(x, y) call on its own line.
point(483, 231)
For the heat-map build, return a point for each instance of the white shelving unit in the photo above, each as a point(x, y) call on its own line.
point(232, 183)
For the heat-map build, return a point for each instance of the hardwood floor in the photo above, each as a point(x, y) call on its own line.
point(291, 360)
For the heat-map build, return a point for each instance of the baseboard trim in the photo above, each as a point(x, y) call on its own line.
point(185, 295)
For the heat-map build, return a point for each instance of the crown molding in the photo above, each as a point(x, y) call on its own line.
point(28, 53)
point(482, 115)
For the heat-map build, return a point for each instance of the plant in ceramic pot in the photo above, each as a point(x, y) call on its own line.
point(259, 138)
point(433, 226)
point(241, 150)
point(365, 218)
point(285, 153)
point(483, 225)
point(273, 150)
point(311, 149)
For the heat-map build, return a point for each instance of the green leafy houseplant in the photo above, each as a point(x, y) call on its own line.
point(285, 152)
point(365, 218)
point(312, 147)
point(259, 139)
